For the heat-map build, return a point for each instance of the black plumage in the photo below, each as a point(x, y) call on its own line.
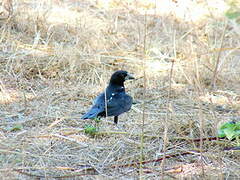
point(117, 100)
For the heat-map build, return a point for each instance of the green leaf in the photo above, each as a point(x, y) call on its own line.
point(229, 132)
point(227, 125)
point(237, 132)
point(231, 14)
point(238, 125)
point(17, 127)
point(221, 133)
point(90, 129)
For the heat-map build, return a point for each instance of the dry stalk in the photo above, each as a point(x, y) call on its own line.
point(7, 9)
point(215, 72)
point(214, 78)
point(199, 90)
point(167, 117)
point(144, 97)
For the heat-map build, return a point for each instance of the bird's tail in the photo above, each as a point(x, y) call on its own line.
point(90, 114)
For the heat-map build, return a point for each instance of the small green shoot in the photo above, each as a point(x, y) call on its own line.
point(90, 129)
point(232, 14)
point(234, 11)
point(230, 130)
point(17, 127)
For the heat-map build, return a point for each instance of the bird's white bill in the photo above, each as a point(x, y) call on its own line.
point(129, 76)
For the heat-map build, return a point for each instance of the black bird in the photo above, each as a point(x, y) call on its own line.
point(118, 101)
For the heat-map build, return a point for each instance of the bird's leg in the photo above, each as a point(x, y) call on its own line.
point(115, 119)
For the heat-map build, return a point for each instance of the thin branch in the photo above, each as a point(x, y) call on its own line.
point(168, 112)
point(144, 96)
point(218, 56)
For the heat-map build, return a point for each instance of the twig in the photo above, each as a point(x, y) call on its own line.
point(168, 112)
point(198, 139)
point(218, 56)
point(144, 96)
point(154, 160)
point(83, 172)
point(69, 139)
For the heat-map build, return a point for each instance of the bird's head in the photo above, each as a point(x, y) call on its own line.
point(119, 77)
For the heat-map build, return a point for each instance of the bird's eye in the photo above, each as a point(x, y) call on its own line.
point(122, 75)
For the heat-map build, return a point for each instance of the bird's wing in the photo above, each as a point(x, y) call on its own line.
point(97, 108)
point(118, 104)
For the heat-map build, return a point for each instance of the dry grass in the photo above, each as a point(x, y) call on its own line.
point(57, 56)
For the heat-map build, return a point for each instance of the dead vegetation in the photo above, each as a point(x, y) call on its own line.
point(56, 56)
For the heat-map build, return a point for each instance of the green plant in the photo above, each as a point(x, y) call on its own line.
point(17, 127)
point(234, 11)
point(90, 129)
point(230, 130)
